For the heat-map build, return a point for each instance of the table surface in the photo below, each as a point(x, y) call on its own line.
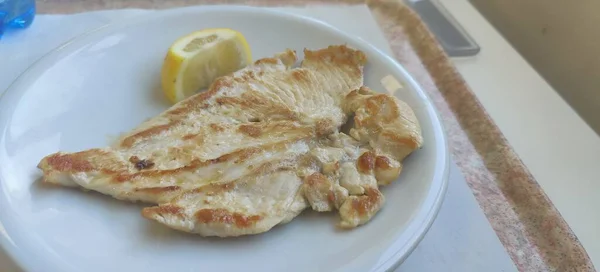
point(559, 149)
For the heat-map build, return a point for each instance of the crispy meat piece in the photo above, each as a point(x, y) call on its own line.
point(257, 148)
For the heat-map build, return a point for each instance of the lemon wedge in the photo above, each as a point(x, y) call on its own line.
point(197, 59)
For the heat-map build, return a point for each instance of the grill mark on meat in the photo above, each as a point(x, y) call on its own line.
point(162, 210)
point(247, 153)
point(188, 136)
point(76, 162)
point(241, 155)
point(196, 101)
point(267, 167)
point(192, 103)
point(208, 189)
point(227, 186)
point(214, 188)
point(158, 190)
point(131, 140)
point(382, 162)
point(183, 108)
point(411, 141)
point(337, 54)
point(228, 100)
point(255, 130)
point(197, 138)
point(266, 61)
point(223, 216)
point(125, 177)
point(252, 100)
point(250, 130)
point(366, 162)
point(217, 127)
point(318, 191)
point(300, 75)
point(245, 77)
point(363, 204)
point(325, 127)
point(316, 178)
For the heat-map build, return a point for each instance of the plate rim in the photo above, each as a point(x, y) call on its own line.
point(401, 252)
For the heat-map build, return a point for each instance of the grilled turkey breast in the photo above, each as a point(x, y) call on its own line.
point(257, 148)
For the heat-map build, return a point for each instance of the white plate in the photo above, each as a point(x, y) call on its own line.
point(107, 82)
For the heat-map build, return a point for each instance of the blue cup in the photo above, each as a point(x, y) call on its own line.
point(16, 14)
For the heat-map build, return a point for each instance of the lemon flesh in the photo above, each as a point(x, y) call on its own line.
point(194, 61)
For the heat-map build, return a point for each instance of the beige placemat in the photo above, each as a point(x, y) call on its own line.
point(529, 226)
